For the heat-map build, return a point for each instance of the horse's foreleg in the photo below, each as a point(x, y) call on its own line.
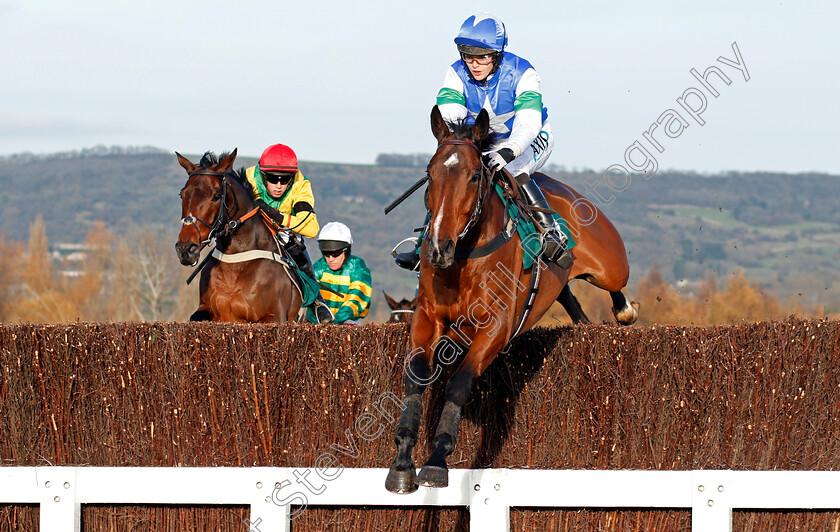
point(201, 314)
point(572, 306)
point(625, 312)
point(402, 477)
point(435, 472)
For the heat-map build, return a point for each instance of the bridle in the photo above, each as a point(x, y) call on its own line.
point(482, 174)
point(402, 311)
point(221, 225)
point(224, 225)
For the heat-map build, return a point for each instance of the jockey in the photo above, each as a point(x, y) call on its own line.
point(285, 195)
point(507, 86)
point(344, 273)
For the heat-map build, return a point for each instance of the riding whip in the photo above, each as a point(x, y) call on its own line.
point(406, 194)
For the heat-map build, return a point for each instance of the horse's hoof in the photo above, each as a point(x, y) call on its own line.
point(627, 315)
point(433, 477)
point(401, 481)
point(201, 315)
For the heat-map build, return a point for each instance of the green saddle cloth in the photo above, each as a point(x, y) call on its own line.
point(309, 288)
point(528, 233)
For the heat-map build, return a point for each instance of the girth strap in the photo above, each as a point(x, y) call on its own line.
point(529, 299)
point(245, 256)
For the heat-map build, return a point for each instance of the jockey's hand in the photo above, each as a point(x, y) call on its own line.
point(496, 160)
point(273, 213)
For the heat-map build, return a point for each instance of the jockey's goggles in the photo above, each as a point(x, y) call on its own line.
point(334, 254)
point(485, 59)
point(277, 177)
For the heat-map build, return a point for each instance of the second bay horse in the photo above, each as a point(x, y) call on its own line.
point(246, 278)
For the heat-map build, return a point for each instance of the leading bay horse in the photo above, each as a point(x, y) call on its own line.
point(246, 278)
point(473, 296)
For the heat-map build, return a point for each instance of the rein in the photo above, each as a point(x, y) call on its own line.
point(221, 216)
point(479, 201)
point(508, 227)
point(222, 225)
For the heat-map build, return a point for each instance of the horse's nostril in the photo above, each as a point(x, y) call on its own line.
point(185, 248)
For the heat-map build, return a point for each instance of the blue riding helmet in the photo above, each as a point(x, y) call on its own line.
point(482, 31)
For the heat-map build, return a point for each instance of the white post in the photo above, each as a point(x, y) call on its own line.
point(711, 508)
point(60, 508)
point(268, 517)
point(489, 511)
point(266, 514)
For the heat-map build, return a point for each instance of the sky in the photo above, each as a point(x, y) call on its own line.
point(345, 81)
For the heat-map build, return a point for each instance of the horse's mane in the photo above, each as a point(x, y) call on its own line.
point(463, 130)
point(239, 177)
point(210, 159)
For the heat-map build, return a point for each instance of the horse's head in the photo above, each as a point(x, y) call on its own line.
point(204, 204)
point(457, 184)
point(402, 310)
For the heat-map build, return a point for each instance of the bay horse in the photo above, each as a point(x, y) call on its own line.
point(246, 278)
point(401, 311)
point(473, 297)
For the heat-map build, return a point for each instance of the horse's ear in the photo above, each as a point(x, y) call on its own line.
point(185, 163)
point(413, 304)
point(227, 161)
point(439, 128)
point(391, 303)
point(481, 127)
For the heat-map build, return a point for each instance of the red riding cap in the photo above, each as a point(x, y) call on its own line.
point(279, 158)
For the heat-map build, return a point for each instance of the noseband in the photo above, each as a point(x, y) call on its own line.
point(482, 177)
point(222, 216)
point(402, 311)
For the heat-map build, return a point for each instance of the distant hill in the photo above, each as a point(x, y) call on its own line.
point(782, 229)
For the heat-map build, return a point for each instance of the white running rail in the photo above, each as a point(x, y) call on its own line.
point(488, 493)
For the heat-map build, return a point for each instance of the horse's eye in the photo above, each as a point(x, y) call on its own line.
point(217, 196)
point(475, 177)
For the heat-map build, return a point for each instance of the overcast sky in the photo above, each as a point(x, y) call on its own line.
point(344, 81)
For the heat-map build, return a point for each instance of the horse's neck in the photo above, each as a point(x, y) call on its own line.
point(251, 234)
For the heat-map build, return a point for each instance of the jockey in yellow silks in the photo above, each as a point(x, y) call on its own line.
point(285, 195)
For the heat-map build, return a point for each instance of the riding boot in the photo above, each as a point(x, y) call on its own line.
point(554, 240)
point(410, 260)
point(298, 252)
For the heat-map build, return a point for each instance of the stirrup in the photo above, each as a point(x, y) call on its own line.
point(554, 243)
point(412, 239)
point(322, 312)
point(409, 260)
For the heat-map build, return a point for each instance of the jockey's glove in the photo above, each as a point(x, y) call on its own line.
point(496, 160)
point(273, 213)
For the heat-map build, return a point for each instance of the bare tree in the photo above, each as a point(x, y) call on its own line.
point(147, 276)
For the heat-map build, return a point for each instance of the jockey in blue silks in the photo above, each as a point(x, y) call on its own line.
point(507, 86)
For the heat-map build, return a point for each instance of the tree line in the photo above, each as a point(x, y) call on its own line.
point(131, 277)
point(135, 277)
